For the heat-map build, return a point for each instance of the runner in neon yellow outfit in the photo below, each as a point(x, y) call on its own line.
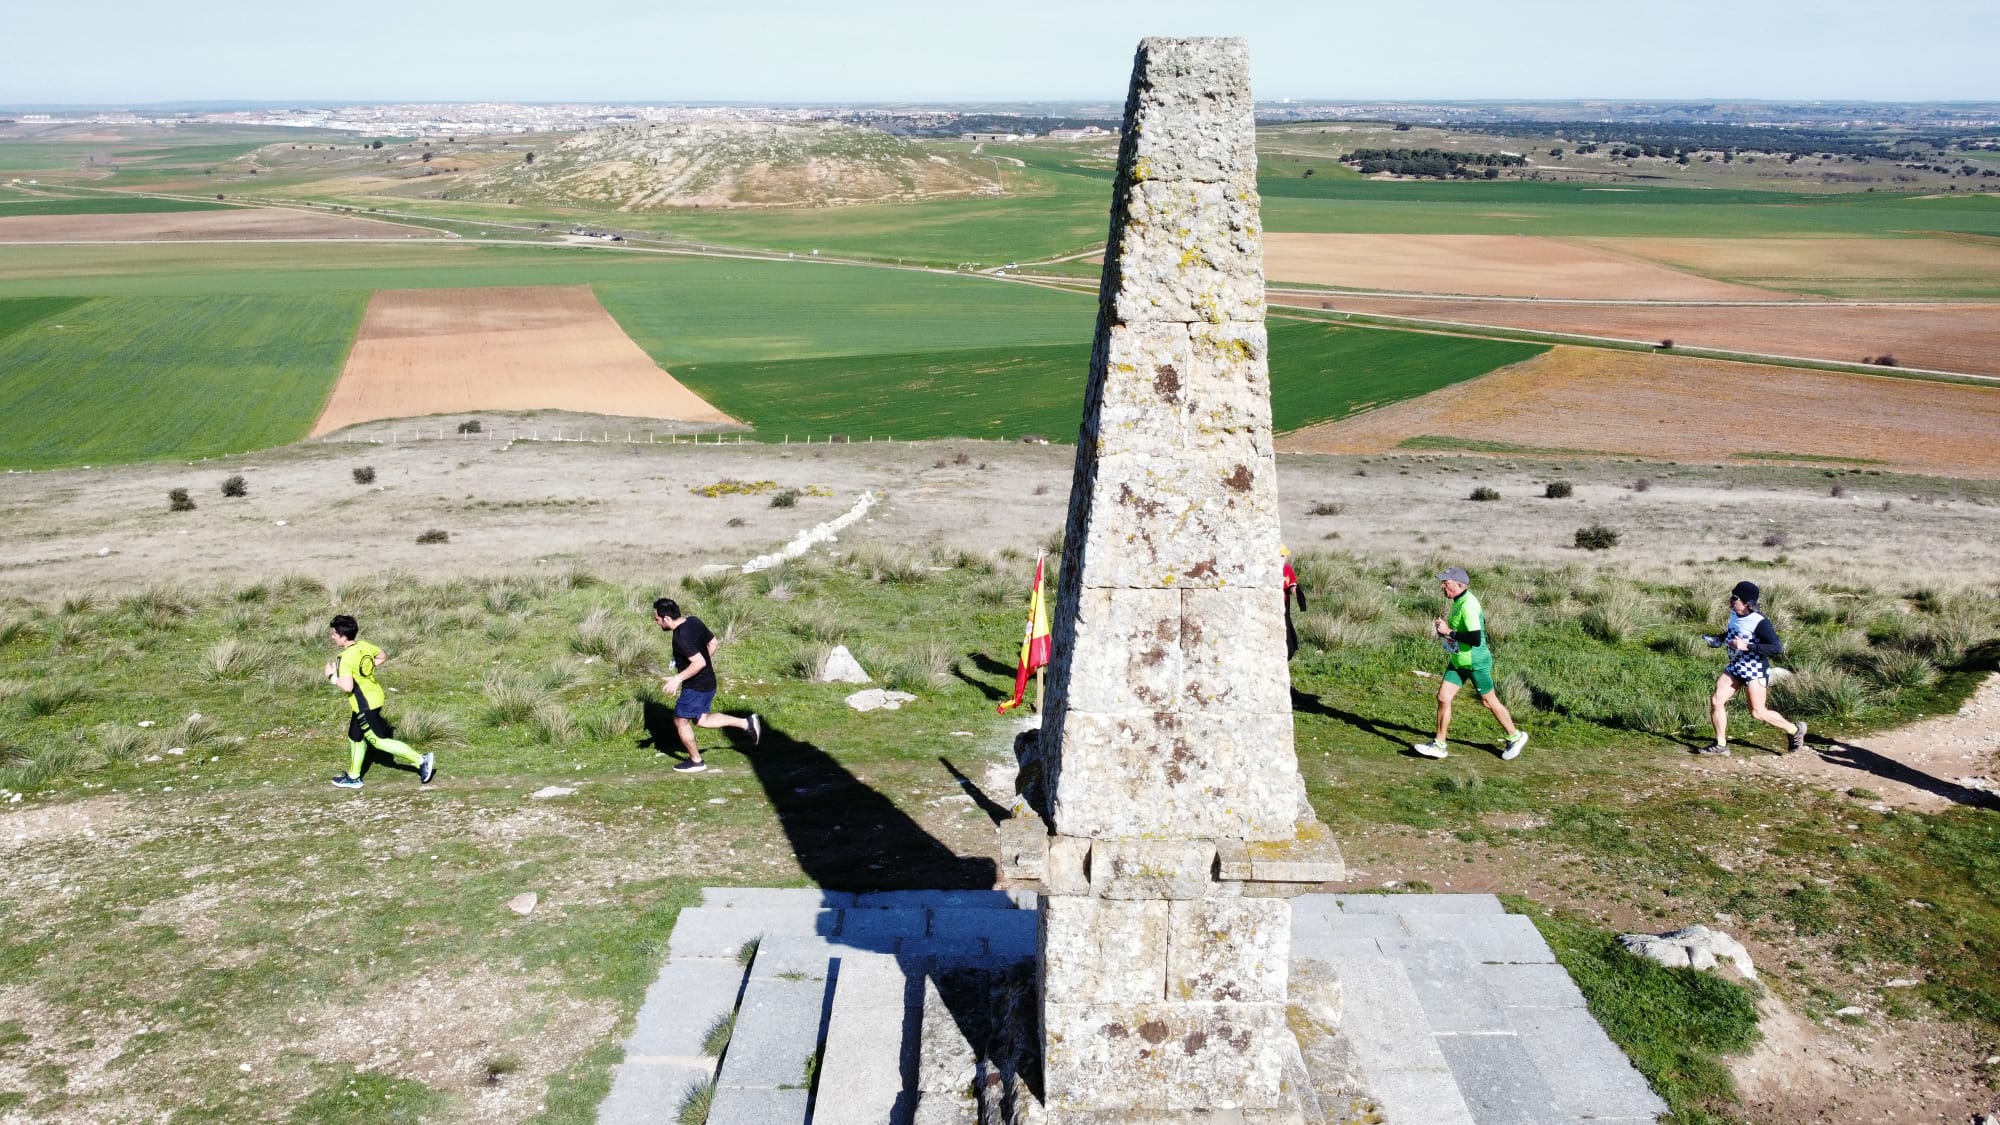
point(1463, 631)
point(353, 674)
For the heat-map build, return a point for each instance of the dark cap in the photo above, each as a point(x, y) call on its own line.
point(1747, 591)
point(1455, 574)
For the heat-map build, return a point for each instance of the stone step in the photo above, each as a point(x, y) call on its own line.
point(1453, 979)
point(1451, 1011)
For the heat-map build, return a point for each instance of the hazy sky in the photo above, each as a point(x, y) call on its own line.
point(129, 51)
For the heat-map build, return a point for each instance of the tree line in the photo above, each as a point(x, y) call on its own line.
point(1435, 163)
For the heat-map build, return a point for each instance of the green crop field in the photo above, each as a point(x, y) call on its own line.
point(1318, 373)
point(102, 205)
point(132, 378)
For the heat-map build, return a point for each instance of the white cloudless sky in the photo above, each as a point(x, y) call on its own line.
point(140, 51)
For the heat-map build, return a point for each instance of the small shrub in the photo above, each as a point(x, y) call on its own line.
point(1642, 484)
point(695, 1103)
point(364, 474)
point(1777, 539)
point(1837, 491)
point(789, 498)
point(1041, 490)
point(236, 486)
point(1484, 493)
point(1884, 360)
point(1667, 344)
point(1558, 490)
point(551, 723)
point(717, 1039)
point(434, 535)
point(1596, 537)
point(472, 426)
point(431, 728)
point(962, 458)
point(509, 700)
point(730, 486)
point(1325, 508)
point(178, 500)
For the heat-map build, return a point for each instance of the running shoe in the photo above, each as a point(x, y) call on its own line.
point(690, 767)
point(1716, 750)
point(342, 781)
point(1514, 745)
point(1798, 736)
point(757, 730)
point(426, 769)
point(1431, 749)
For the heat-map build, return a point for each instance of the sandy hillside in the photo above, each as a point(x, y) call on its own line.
point(432, 351)
point(1495, 265)
point(186, 226)
point(1668, 406)
point(1941, 337)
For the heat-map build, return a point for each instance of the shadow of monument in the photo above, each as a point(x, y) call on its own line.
point(846, 835)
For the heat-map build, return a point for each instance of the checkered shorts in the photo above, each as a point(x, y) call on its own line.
point(1747, 666)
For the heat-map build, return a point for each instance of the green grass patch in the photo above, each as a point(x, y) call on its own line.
point(346, 1096)
point(1319, 373)
point(20, 312)
point(131, 379)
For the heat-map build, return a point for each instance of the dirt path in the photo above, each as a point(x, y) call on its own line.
point(1929, 766)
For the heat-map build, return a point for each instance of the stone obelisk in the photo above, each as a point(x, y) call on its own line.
point(1177, 824)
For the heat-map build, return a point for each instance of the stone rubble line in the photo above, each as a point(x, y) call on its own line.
point(1433, 1009)
point(805, 540)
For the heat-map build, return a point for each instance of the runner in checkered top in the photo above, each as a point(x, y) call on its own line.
point(1750, 642)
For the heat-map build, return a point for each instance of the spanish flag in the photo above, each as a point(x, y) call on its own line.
point(1034, 641)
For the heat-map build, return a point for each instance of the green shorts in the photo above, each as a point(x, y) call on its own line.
point(1481, 675)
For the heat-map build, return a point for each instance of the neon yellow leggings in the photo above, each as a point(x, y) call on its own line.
point(357, 752)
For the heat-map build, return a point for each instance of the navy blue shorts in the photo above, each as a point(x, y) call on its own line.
point(693, 704)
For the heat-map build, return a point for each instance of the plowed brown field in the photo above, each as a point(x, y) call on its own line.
point(1487, 265)
point(1680, 408)
point(1861, 268)
point(181, 226)
point(1942, 337)
point(433, 351)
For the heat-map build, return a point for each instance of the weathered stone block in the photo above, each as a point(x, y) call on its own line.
point(1228, 383)
point(1232, 647)
point(1177, 776)
point(1151, 869)
point(1180, 521)
point(1164, 1055)
point(1024, 847)
point(1228, 950)
point(1190, 115)
point(1096, 951)
point(1140, 404)
point(1134, 655)
point(1067, 871)
point(1190, 253)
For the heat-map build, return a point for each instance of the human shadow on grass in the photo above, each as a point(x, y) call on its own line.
point(1889, 769)
point(991, 667)
point(1396, 734)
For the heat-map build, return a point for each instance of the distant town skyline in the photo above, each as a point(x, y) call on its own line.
point(110, 52)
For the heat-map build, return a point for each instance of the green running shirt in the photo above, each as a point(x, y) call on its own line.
point(1466, 616)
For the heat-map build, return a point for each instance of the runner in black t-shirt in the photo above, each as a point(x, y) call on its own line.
point(694, 682)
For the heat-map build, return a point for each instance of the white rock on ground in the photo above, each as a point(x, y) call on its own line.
point(524, 903)
point(548, 791)
point(877, 699)
point(1695, 947)
point(840, 667)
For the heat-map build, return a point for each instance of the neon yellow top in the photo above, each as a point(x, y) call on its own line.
point(357, 662)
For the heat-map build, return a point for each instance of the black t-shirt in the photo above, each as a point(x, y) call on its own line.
point(691, 637)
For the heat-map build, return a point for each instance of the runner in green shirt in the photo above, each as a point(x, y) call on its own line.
point(352, 673)
point(1463, 631)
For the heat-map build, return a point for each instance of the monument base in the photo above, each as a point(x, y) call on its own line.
point(896, 1007)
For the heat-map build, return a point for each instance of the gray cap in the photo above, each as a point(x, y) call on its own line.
point(1455, 574)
